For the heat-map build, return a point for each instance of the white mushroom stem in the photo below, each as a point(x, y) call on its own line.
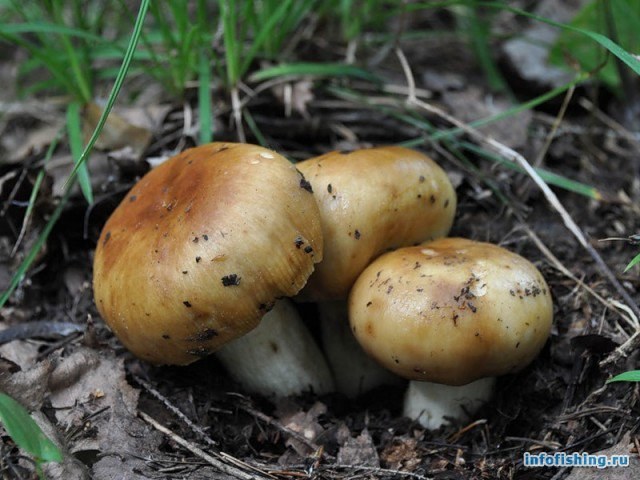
point(354, 371)
point(434, 404)
point(279, 357)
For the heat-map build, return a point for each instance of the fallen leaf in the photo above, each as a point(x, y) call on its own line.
point(401, 454)
point(117, 132)
point(359, 451)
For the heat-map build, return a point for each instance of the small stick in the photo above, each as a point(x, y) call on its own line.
point(270, 421)
point(224, 468)
point(175, 410)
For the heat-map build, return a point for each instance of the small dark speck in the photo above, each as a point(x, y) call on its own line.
point(266, 307)
point(432, 199)
point(472, 307)
point(205, 237)
point(419, 195)
point(184, 272)
point(357, 234)
point(305, 185)
point(199, 352)
point(231, 280)
point(196, 239)
point(308, 249)
point(205, 335)
point(517, 344)
point(166, 337)
point(133, 198)
point(274, 347)
point(187, 304)
point(198, 259)
point(298, 241)
point(389, 289)
point(421, 178)
point(106, 238)
point(369, 304)
point(329, 188)
point(419, 290)
point(446, 203)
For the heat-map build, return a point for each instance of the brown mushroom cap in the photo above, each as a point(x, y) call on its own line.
point(373, 200)
point(451, 311)
point(200, 248)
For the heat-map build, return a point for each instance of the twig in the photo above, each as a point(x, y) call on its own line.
point(378, 470)
point(223, 467)
point(175, 410)
point(272, 422)
point(515, 157)
point(558, 265)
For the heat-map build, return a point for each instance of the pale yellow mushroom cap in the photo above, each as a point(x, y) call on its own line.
point(451, 311)
point(373, 200)
point(200, 248)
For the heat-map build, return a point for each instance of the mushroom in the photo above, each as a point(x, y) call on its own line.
point(371, 200)
point(201, 247)
point(448, 313)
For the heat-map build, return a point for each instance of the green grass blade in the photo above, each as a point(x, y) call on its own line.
point(253, 126)
point(73, 56)
point(36, 186)
point(26, 432)
point(37, 246)
point(534, 102)
point(314, 69)
point(117, 84)
point(266, 31)
point(50, 28)
point(630, 376)
point(74, 133)
point(630, 60)
point(231, 41)
point(204, 98)
point(549, 177)
point(633, 263)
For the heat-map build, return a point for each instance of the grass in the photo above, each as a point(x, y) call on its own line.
point(183, 42)
point(26, 433)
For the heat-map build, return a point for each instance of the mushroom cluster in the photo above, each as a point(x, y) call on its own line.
point(450, 313)
point(199, 251)
point(199, 256)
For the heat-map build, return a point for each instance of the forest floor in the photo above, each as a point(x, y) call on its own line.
point(117, 417)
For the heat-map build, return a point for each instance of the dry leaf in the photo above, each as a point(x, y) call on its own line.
point(359, 451)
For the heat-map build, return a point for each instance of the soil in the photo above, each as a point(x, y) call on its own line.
point(118, 417)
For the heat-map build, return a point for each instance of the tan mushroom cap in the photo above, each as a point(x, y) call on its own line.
point(200, 248)
point(373, 200)
point(451, 311)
